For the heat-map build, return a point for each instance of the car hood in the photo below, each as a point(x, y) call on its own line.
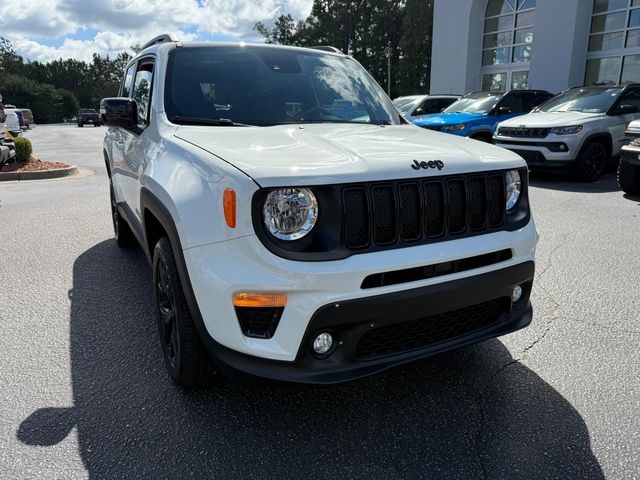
point(316, 154)
point(448, 118)
point(551, 119)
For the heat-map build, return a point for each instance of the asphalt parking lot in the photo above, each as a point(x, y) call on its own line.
point(83, 392)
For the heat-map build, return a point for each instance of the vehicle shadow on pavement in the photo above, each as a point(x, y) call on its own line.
point(558, 181)
point(472, 413)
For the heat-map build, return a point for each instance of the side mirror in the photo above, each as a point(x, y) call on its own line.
point(626, 109)
point(504, 111)
point(119, 112)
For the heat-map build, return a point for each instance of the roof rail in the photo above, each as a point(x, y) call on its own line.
point(327, 48)
point(164, 38)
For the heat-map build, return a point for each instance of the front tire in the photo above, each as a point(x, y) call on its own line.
point(81, 125)
point(629, 178)
point(186, 360)
point(591, 162)
point(121, 229)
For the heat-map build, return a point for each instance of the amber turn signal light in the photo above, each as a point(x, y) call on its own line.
point(229, 204)
point(242, 299)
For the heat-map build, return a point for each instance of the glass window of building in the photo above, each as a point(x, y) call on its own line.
point(614, 43)
point(507, 42)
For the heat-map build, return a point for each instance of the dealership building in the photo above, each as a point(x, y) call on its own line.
point(542, 44)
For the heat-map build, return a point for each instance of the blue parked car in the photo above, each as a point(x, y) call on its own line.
point(476, 115)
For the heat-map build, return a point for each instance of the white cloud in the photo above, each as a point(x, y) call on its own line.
point(122, 23)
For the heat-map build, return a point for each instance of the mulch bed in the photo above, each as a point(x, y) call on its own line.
point(33, 165)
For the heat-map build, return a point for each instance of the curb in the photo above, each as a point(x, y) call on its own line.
point(39, 175)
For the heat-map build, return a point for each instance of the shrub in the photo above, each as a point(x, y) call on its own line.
point(23, 149)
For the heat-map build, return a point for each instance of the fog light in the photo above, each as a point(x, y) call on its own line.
point(517, 294)
point(322, 343)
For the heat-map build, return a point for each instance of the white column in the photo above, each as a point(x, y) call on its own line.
point(452, 69)
point(561, 35)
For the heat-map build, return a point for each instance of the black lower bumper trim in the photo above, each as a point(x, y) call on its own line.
point(351, 320)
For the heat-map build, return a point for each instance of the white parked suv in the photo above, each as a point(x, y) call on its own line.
point(579, 130)
point(298, 228)
point(7, 147)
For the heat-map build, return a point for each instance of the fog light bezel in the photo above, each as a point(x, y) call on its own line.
point(332, 348)
point(517, 288)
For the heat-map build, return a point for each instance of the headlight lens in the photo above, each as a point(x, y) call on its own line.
point(290, 213)
point(572, 130)
point(514, 187)
point(454, 128)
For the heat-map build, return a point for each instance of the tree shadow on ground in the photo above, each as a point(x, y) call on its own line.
point(472, 413)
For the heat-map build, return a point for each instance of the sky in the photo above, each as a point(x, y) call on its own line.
point(46, 30)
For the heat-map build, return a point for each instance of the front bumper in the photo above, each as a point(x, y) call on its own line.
point(551, 152)
point(217, 271)
point(631, 153)
point(423, 321)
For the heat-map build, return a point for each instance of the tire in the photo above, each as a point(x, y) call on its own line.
point(81, 125)
point(592, 162)
point(629, 178)
point(185, 358)
point(96, 124)
point(121, 229)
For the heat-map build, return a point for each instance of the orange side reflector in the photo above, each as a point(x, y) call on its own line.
point(242, 299)
point(229, 204)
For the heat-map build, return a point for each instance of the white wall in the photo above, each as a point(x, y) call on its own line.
point(561, 30)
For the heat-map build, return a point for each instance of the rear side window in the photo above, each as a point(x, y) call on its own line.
point(128, 80)
point(513, 101)
point(430, 105)
point(631, 98)
point(444, 103)
point(533, 99)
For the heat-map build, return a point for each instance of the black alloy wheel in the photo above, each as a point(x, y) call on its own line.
point(186, 360)
point(169, 333)
point(592, 162)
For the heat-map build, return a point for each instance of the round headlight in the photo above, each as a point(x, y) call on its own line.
point(514, 187)
point(290, 213)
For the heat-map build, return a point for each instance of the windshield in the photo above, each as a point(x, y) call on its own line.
point(587, 100)
point(265, 86)
point(474, 103)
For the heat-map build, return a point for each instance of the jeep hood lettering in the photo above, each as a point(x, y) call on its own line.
point(319, 154)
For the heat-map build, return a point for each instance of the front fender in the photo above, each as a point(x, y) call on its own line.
point(190, 184)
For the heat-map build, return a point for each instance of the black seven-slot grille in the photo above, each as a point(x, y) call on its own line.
point(524, 132)
point(427, 331)
point(388, 213)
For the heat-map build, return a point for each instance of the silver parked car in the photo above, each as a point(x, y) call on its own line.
point(416, 106)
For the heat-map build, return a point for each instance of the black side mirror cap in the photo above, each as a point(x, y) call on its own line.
point(119, 112)
point(626, 109)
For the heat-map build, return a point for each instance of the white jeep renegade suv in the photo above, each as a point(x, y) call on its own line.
point(579, 130)
point(298, 228)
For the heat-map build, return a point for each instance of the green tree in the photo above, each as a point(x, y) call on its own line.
point(362, 28)
point(10, 61)
point(414, 66)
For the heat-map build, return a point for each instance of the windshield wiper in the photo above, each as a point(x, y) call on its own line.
point(220, 122)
